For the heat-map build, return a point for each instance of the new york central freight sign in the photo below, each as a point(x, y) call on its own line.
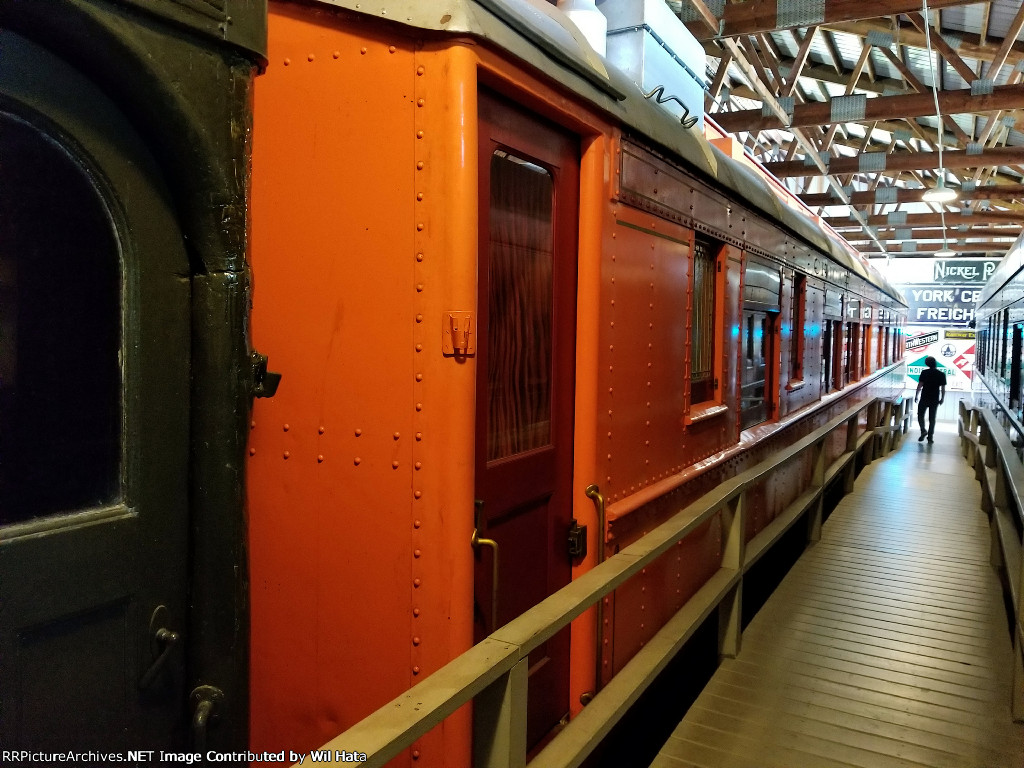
point(935, 305)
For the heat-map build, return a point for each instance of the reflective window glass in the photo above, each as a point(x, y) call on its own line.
point(60, 331)
point(519, 330)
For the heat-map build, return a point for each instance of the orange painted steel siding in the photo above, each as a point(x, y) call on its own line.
point(363, 235)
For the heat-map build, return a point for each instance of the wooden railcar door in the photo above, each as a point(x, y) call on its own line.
point(529, 187)
point(94, 419)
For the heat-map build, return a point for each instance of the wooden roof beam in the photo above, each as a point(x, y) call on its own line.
point(936, 233)
point(755, 16)
point(768, 97)
point(1001, 192)
point(904, 161)
point(883, 108)
point(960, 248)
point(1003, 53)
point(841, 223)
point(970, 45)
point(920, 87)
point(827, 74)
point(945, 50)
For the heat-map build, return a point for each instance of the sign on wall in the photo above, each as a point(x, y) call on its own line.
point(953, 350)
point(959, 271)
point(941, 304)
point(942, 271)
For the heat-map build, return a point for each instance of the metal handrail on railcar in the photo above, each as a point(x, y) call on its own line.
point(988, 448)
point(493, 673)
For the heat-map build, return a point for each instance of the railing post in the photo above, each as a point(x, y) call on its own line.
point(816, 512)
point(981, 461)
point(499, 721)
point(888, 410)
point(999, 497)
point(851, 447)
point(1017, 694)
point(869, 445)
point(990, 452)
point(962, 428)
point(734, 546)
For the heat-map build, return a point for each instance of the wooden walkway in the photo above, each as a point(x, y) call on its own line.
point(886, 645)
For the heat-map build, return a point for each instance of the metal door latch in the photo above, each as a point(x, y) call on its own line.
point(263, 383)
point(163, 642)
point(206, 699)
point(457, 334)
point(577, 540)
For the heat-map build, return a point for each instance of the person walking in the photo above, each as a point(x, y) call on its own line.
point(931, 391)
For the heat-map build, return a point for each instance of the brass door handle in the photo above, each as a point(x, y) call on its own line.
point(476, 542)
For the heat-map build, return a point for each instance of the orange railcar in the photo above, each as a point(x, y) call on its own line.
point(493, 276)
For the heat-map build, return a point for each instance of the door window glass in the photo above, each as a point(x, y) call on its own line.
point(519, 319)
point(60, 332)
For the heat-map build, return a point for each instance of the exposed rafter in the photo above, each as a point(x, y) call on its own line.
point(756, 16)
point(874, 147)
point(934, 220)
point(903, 161)
point(893, 195)
point(883, 108)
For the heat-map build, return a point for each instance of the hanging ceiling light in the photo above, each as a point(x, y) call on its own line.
point(940, 193)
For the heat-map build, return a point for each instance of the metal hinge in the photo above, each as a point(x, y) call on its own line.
point(263, 383)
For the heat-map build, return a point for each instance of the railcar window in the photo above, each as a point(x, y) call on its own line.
point(60, 332)
point(885, 347)
point(702, 340)
point(982, 351)
point(1015, 368)
point(1005, 337)
point(993, 338)
point(519, 327)
point(797, 327)
point(853, 352)
point(826, 356)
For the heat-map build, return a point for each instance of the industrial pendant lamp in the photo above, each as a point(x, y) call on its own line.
point(940, 193)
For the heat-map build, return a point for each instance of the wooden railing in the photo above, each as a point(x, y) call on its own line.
point(998, 468)
point(493, 674)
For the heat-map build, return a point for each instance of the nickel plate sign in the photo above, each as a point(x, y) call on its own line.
point(962, 271)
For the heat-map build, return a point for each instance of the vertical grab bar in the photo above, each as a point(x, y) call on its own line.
point(476, 542)
point(593, 492)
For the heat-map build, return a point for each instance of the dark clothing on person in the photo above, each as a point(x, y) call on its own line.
point(931, 380)
point(931, 408)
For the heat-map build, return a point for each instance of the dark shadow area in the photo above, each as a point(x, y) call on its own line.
point(768, 572)
point(637, 738)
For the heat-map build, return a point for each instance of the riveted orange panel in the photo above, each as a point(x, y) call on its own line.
point(358, 589)
point(648, 600)
point(643, 338)
point(594, 164)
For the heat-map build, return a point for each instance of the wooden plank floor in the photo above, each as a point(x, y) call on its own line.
point(885, 645)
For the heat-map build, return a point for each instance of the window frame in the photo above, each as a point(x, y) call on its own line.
point(798, 319)
point(713, 406)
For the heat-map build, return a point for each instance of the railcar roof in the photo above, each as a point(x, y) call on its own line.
point(1009, 266)
point(535, 32)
